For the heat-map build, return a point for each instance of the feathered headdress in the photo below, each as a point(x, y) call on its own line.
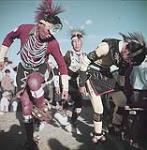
point(77, 33)
point(46, 9)
point(135, 37)
point(136, 46)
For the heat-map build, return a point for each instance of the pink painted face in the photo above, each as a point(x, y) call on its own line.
point(44, 29)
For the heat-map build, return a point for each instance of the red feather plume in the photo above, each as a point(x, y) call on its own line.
point(46, 8)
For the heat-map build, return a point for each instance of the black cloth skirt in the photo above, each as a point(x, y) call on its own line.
point(23, 72)
point(102, 81)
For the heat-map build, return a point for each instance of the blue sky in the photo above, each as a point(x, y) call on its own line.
point(101, 19)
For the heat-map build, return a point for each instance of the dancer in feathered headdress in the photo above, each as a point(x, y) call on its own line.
point(73, 58)
point(37, 43)
point(47, 12)
point(96, 77)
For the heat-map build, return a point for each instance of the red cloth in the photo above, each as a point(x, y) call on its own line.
point(22, 33)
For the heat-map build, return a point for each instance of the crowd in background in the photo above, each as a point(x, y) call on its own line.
point(8, 85)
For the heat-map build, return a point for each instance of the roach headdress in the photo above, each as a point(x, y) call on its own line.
point(48, 11)
point(136, 46)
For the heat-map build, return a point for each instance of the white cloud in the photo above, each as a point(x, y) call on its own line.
point(88, 22)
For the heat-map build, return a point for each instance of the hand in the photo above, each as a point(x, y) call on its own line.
point(83, 90)
point(64, 95)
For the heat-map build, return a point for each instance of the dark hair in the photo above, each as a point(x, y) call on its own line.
point(53, 19)
point(136, 46)
point(79, 36)
point(137, 52)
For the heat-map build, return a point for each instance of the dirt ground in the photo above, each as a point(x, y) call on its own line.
point(12, 135)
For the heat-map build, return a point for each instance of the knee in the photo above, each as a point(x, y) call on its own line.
point(97, 117)
point(78, 110)
point(34, 81)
